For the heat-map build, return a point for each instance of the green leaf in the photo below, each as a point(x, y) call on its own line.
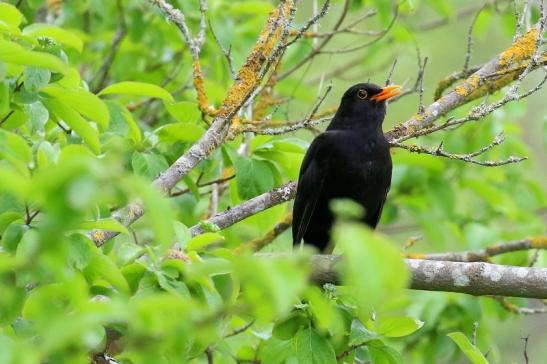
point(16, 183)
point(148, 164)
point(100, 267)
point(15, 145)
point(4, 99)
point(35, 78)
point(177, 132)
point(158, 210)
point(359, 334)
point(128, 252)
point(77, 123)
point(38, 115)
point(12, 236)
point(6, 218)
point(372, 266)
point(59, 35)
point(11, 52)
point(275, 351)
point(312, 348)
point(118, 112)
point(104, 224)
point(184, 111)
point(10, 14)
point(470, 350)
point(253, 177)
point(397, 326)
point(383, 354)
point(80, 249)
point(287, 328)
point(81, 100)
point(133, 273)
point(202, 240)
point(139, 89)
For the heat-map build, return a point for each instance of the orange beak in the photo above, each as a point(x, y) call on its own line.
point(387, 93)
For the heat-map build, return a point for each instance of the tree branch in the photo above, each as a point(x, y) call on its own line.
point(253, 206)
point(477, 85)
point(482, 255)
point(275, 32)
point(477, 279)
point(469, 158)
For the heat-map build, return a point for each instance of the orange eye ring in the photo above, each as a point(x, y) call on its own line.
point(362, 94)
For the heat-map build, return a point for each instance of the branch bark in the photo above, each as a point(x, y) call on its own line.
point(477, 279)
point(254, 205)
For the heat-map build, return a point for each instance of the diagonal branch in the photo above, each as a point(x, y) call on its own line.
point(477, 85)
point(254, 205)
point(274, 33)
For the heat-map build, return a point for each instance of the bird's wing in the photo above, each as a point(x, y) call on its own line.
point(385, 181)
point(310, 185)
point(378, 213)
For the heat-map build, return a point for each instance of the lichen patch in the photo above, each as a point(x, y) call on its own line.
point(521, 49)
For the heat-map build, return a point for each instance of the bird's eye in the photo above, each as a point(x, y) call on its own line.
point(362, 94)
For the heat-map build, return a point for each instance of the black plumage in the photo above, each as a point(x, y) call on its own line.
point(350, 159)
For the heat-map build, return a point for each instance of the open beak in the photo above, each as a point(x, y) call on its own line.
point(387, 93)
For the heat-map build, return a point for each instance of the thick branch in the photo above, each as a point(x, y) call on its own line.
point(477, 279)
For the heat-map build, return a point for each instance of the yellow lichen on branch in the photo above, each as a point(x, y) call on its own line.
point(538, 242)
point(522, 48)
point(248, 76)
point(520, 51)
point(265, 98)
point(203, 101)
point(259, 243)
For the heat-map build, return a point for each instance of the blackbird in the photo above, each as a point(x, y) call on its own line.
point(350, 159)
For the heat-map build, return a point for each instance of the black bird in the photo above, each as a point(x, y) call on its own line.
point(350, 159)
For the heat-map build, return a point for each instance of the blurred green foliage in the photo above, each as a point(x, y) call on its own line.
point(74, 148)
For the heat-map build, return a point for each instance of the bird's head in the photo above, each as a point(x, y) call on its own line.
point(366, 103)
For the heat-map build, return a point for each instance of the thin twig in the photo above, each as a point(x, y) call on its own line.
point(526, 360)
point(313, 20)
point(349, 350)
point(226, 52)
point(5, 118)
point(239, 330)
point(470, 39)
point(316, 50)
point(367, 44)
point(517, 310)
point(484, 255)
point(469, 158)
point(259, 243)
point(390, 74)
point(102, 73)
point(421, 88)
point(217, 181)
